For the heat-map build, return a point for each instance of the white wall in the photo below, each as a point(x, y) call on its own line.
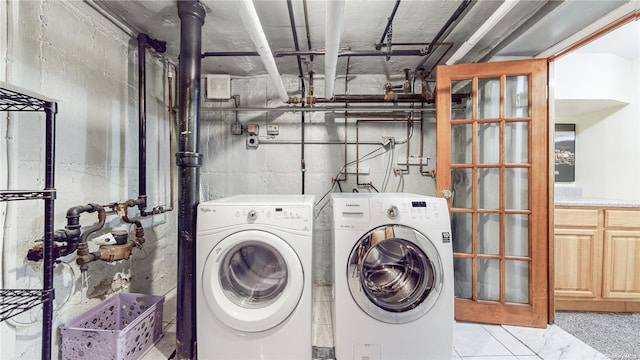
point(231, 168)
point(607, 146)
point(66, 51)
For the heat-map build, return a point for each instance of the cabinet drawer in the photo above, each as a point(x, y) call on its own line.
point(622, 218)
point(575, 217)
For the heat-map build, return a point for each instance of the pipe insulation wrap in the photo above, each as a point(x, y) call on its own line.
point(252, 24)
point(333, 31)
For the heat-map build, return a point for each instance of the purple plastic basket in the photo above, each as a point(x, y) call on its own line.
point(122, 327)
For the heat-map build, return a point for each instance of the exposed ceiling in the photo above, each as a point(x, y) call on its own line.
point(526, 29)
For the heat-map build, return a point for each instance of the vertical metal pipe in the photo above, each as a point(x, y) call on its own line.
point(188, 159)
point(142, 120)
point(303, 166)
point(306, 25)
point(296, 45)
point(51, 108)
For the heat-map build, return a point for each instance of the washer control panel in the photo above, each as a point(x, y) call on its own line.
point(418, 209)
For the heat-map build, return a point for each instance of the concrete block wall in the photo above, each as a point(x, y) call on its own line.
point(69, 52)
point(274, 167)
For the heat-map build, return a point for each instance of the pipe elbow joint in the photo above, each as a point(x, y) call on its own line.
point(140, 235)
point(141, 202)
point(84, 260)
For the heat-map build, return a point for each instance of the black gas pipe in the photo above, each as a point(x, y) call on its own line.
point(389, 24)
point(159, 46)
point(84, 257)
point(453, 18)
point(296, 45)
point(50, 109)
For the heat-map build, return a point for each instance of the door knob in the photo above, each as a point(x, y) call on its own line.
point(446, 193)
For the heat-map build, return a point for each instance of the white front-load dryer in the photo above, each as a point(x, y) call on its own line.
point(253, 276)
point(393, 277)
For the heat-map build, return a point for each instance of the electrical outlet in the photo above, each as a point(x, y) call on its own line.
point(273, 129)
point(388, 141)
point(252, 142)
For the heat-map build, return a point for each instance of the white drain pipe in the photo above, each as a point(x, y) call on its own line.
point(251, 22)
point(333, 30)
point(494, 19)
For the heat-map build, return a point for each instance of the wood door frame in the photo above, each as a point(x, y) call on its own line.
point(539, 277)
point(623, 20)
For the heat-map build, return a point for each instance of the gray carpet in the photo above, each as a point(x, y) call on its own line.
point(616, 335)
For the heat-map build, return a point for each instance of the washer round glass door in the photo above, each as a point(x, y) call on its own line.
point(252, 281)
point(394, 274)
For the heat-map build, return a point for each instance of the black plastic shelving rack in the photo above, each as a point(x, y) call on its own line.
point(16, 301)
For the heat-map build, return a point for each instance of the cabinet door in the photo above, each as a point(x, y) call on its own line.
point(622, 264)
point(578, 263)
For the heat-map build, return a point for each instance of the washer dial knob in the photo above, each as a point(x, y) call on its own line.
point(252, 215)
point(392, 212)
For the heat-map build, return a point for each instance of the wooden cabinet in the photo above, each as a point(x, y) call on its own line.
point(597, 259)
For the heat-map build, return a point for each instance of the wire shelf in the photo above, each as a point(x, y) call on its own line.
point(13, 98)
point(16, 301)
point(26, 195)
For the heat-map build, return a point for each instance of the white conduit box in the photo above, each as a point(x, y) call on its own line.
point(218, 87)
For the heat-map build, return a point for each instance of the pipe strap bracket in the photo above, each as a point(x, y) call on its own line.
point(188, 159)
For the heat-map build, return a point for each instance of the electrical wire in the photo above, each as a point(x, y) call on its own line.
point(400, 187)
point(387, 175)
point(342, 168)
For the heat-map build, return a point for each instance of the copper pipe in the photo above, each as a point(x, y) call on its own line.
point(121, 209)
point(422, 171)
point(171, 130)
point(306, 25)
point(399, 98)
point(409, 124)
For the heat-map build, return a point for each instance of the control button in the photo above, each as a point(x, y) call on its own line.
point(252, 215)
point(392, 212)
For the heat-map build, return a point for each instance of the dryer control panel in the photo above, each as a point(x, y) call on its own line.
point(273, 212)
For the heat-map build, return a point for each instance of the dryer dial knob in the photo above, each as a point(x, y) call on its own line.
point(392, 212)
point(252, 215)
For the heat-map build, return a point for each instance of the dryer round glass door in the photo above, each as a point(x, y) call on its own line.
point(395, 274)
point(252, 281)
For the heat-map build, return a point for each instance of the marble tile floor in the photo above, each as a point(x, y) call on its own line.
point(471, 341)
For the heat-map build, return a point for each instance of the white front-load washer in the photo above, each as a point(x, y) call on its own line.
point(253, 276)
point(393, 277)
